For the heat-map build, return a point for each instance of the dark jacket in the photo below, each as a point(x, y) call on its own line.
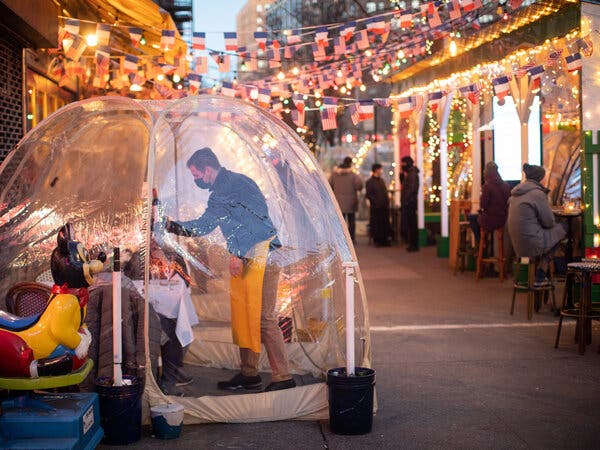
point(346, 184)
point(239, 209)
point(377, 192)
point(494, 202)
point(531, 224)
point(410, 188)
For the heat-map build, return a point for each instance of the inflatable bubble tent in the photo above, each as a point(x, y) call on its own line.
point(98, 163)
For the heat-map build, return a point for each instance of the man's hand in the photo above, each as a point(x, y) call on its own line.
point(236, 266)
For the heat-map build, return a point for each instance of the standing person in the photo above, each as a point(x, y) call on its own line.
point(346, 184)
point(408, 199)
point(493, 202)
point(531, 224)
point(237, 206)
point(379, 218)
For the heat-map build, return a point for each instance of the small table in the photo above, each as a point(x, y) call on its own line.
point(584, 313)
point(569, 214)
point(171, 299)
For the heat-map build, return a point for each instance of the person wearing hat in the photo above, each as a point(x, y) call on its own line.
point(493, 202)
point(531, 224)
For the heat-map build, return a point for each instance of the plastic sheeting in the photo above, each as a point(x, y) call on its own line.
point(96, 163)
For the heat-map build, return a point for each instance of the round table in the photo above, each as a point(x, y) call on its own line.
point(584, 313)
point(568, 214)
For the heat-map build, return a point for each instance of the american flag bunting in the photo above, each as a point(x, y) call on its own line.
point(135, 34)
point(103, 33)
point(167, 40)
point(328, 118)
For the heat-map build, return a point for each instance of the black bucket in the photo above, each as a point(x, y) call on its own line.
point(351, 400)
point(120, 410)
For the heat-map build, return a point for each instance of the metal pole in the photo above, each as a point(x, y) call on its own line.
point(117, 319)
point(349, 267)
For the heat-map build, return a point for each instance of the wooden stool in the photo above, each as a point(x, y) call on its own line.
point(485, 236)
point(534, 294)
point(582, 311)
point(464, 248)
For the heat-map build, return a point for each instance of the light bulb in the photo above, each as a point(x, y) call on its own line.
point(281, 76)
point(160, 77)
point(453, 48)
point(91, 40)
point(176, 78)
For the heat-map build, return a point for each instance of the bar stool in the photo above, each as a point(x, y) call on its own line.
point(488, 236)
point(465, 248)
point(526, 285)
point(581, 311)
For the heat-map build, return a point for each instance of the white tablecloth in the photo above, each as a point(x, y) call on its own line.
point(172, 299)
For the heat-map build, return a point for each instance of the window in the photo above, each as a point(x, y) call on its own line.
point(42, 98)
point(259, 8)
point(259, 20)
point(371, 7)
point(507, 137)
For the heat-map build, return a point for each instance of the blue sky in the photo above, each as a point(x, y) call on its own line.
point(215, 17)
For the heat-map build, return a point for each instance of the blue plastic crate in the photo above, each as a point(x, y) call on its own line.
point(57, 421)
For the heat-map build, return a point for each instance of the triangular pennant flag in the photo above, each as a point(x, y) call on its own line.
point(198, 41)
point(76, 49)
point(376, 25)
point(135, 34)
point(348, 30)
point(72, 26)
point(354, 110)
point(406, 19)
point(195, 81)
point(339, 46)
point(261, 39)
point(103, 33)
point(328, 118)
point(228, 89)
point(294, 37)
point(454, 9)
point(102, 60)
point(472, 92)
point(298, 117)
point(434, 99)
point(366, 109)
point(201, 64)
point(264, 98)
point(298, 101)
point(574, 62)
point(586, 46)
point(130, 64)
point(167, 40)
point(501, 86)
point(321, 34)
point(553, 57)
point(522, 71)
point(230, 41)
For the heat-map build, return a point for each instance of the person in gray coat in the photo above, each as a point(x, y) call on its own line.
point(531, 224)
point(346, 184)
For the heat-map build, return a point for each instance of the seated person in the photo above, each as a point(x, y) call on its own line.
point(531, 224)
point(165, 265)
point(493, 203)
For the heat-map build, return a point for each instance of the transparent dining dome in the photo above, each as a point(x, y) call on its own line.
point(231, 241)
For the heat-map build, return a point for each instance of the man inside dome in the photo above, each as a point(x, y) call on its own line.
point(237, 206)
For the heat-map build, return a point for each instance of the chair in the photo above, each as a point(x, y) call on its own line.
point(524, 282)
point(27, 299)
point(487, 237)
point(464, 248)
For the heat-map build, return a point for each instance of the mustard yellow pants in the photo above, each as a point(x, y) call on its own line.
point(253, 317)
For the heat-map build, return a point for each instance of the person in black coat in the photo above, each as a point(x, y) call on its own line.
point(408, 198)
point(379, 219)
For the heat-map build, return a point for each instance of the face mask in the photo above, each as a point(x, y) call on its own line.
point(202, 184)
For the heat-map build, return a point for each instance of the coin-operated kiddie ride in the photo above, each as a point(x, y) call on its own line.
point(49, 350)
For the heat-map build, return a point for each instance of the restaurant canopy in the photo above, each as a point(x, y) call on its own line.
point(95, 163)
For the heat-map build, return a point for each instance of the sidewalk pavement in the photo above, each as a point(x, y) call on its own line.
point(454, 370)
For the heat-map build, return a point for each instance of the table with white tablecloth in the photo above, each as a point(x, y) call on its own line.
point(172, 299)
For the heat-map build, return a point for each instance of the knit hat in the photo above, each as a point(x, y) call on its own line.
point(535, 173)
